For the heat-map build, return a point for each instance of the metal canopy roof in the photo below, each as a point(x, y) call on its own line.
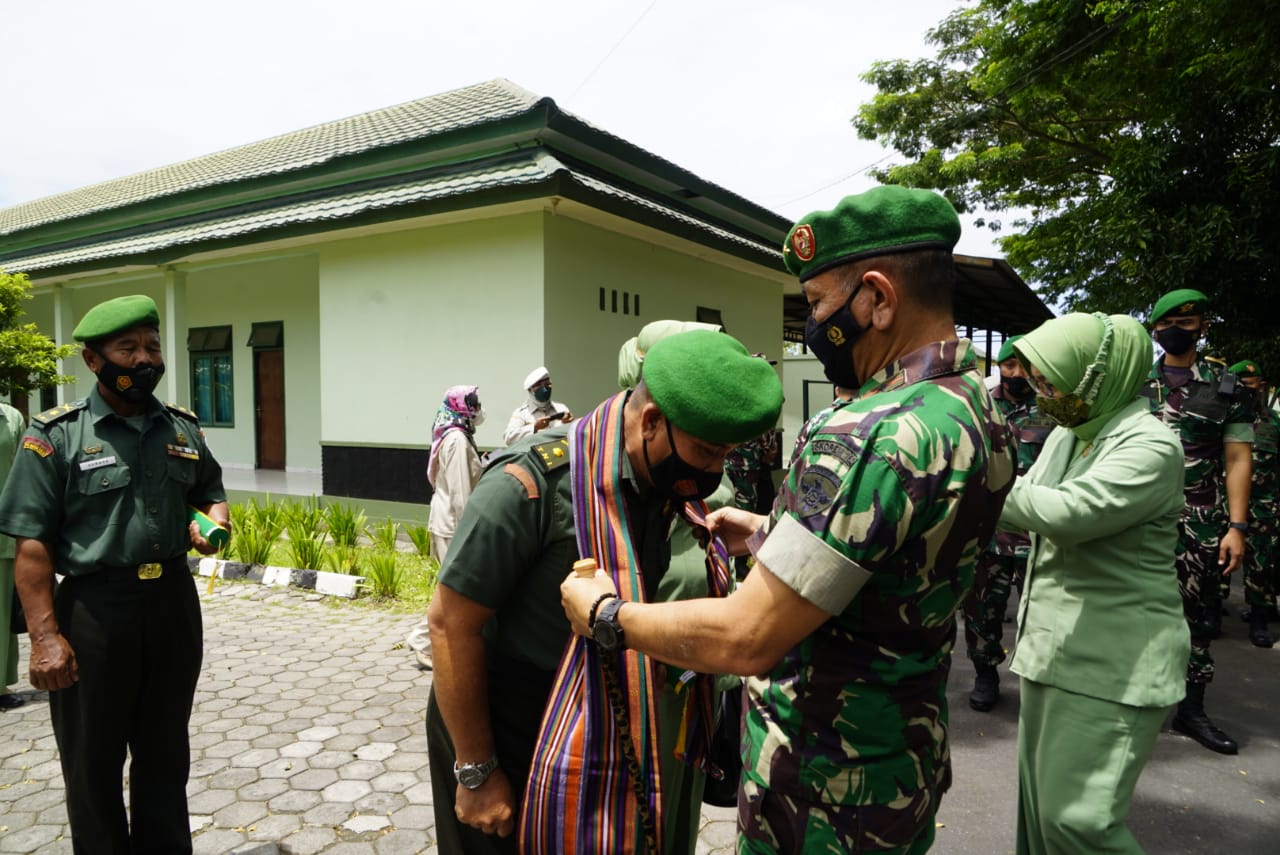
point(989, 296)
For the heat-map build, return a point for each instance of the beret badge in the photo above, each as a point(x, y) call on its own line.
point(803, 244)
point(1186, 308)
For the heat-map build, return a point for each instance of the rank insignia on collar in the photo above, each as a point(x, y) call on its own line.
point(93, 449)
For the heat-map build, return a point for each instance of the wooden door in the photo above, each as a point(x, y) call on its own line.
point(268, 403)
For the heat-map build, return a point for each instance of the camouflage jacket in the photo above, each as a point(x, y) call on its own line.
point(897, 490)
point(1206, 412)
point(1030, 429)
point(1264, 497)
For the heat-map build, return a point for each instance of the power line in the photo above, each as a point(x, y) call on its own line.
point(839, 180)
point(616, 45)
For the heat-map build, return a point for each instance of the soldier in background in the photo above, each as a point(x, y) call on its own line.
point(1201, 402)
point(1260, 580)
point(1003, 563)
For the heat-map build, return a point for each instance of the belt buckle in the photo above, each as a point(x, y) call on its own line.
point(150, 571)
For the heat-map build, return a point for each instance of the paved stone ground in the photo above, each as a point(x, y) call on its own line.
point(307, 737)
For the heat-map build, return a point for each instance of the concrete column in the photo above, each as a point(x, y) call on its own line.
point(176, 384)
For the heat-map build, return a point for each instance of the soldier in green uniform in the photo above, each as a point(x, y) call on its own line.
point(1003, 564)
point(848, 617)
point(497, 629)
point(99, 494)
point(1202, 403)
point(1260, 574)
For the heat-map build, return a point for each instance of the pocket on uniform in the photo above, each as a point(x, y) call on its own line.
point(103, 480)
point(182, 471)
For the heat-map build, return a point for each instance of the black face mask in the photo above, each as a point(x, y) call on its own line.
point(673, 477)
point(1017, 387)
point(832, 342)
point(133, 384)
point(1176, 341)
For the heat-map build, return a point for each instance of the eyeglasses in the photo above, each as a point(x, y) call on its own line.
point(1187, 323)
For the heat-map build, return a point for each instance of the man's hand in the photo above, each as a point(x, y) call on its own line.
point(733, 526)
point(490, 808)
point(1231, 550)
point(53, 663)
point(567, 417)
point(540, 423)
point(577, 593)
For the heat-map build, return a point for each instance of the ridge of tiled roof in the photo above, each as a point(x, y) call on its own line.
point(491, 101)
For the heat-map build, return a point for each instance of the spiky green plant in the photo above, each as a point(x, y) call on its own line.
point(342, 559)
point(384, 534)
point(421, 539)
point(383, 575)
point(345, 523)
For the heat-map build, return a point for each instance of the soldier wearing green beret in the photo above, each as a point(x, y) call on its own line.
point(1003, 564)
point(1261, 577)
point(498, 632)
point(1200, 401)
point(99, 494)
point(848, 617)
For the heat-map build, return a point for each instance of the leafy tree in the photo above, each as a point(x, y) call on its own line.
point(1136, 144)
point(28, 358)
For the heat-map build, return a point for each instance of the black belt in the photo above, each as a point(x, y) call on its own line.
point(140, 572)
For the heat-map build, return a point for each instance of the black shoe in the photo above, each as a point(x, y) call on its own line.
point(986, 689)
point(9, 702)
point(1258, 632)
point(1191, 720)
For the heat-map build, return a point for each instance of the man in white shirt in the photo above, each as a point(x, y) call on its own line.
point(538, 411)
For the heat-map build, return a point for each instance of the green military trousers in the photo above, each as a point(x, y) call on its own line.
point(1079, 759)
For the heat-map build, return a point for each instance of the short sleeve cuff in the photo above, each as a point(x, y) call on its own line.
point(810, 566)
point(1238, 432)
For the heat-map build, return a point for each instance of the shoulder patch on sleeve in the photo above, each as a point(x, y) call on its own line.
point(38, 445)
point(515, 470)
point(553, 454)
point(182, 411)
point(51, 415)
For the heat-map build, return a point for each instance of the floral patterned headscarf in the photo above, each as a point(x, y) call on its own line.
point(461, 410)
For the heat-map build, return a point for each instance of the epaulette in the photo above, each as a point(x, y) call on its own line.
point(61, 411)
point(182, 411)
point(553, 454)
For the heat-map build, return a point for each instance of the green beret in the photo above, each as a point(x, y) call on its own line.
point(710, 387)
point(1006, 352)
point(115, 315)
point(1184, 301)
point(884, 220)
point(1245, 368)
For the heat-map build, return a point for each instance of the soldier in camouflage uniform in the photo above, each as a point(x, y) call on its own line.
point(1003, 563)
point(849, 614)
point(1260, 575)
point(1201, 402)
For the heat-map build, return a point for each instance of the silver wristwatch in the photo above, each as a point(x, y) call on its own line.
point(473, 775)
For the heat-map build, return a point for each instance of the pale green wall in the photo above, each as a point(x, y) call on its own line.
point(406, 315)
point(583, 342)
point(799, 370)
point(254, 291)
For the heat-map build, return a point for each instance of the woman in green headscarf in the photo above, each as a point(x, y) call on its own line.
point(1102, 644)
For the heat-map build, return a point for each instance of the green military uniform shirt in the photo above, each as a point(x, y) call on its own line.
point(515, 543)
point(896, 491)
point(105, 491)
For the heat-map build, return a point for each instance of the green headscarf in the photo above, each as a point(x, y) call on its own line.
point(1066, 349)
point(631, 355)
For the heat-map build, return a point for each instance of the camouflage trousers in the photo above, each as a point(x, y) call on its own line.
point(769, 822)
point(1261, 577)
point(1199, 578)
point(985, 606)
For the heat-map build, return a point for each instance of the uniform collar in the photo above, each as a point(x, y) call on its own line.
point(99, 409)
point(937, 359)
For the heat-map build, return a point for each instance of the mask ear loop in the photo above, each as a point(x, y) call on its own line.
point(1091, 383)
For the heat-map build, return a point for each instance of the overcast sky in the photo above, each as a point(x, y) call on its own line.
point(754, 95)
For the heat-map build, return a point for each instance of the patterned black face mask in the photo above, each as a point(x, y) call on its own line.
point(133, 384)
point(832, 343)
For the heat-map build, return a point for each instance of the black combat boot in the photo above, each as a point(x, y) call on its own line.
point(1191, 720)
point(986, 688)
point(1258, 632)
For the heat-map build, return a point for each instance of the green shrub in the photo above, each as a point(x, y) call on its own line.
point(306, 515)
point(383, 575)
point(305, 546)
point(421, 539)
point(345, 523)
point(384, 534)
point(342, 559)
point(251, 544)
